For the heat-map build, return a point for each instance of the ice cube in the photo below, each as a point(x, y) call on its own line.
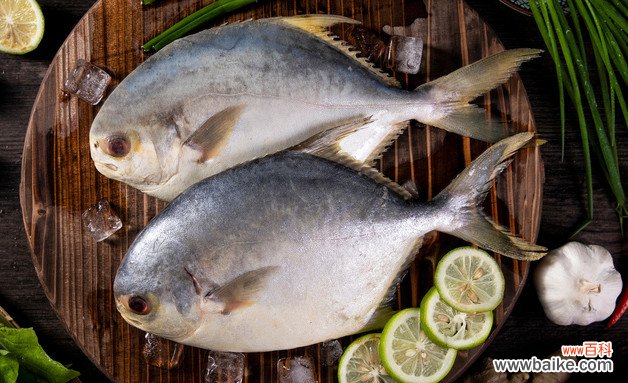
point(162, 353)
point(87, 81)
point(101, 221)
point(405, 53)
point(224, 367)
point(330, 353)
point(410, 30)
point(299, 369)
point(405, 47)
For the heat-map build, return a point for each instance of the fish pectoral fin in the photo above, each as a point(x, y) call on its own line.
point(214, 134)
point(243, 291)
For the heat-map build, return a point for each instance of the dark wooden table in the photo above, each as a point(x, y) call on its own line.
point(527, 332)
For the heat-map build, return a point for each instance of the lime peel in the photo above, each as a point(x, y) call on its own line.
point(449, 327)
point(361, 362)
point(21, 26)
point(409, 355)
point(469, 280)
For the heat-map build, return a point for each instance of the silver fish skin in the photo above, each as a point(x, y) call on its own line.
point(230, 94)
point(291, 250)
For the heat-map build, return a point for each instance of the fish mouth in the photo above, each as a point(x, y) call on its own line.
point(173, 331)
point(125, 313)
point(132, 321)
point(105, 167)
point(111, 167)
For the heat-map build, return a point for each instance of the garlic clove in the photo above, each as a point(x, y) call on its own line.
point(577, 284)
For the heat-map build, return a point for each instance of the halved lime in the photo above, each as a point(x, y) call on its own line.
point(408, 354)
point(448, 327)
point(360, 363)
point(469, 280)
point(21, 26)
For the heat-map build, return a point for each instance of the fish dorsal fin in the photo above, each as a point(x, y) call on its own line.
point(373, 174)
point(214, 134)
point(318, 26)
point(327, 145)
point(242, 291)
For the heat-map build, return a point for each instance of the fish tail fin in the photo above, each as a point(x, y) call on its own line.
point(452, 93)
point(464, 195)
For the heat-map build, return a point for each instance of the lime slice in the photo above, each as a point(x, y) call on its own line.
point(360, 362)
point(469, 280)
point(408, 354)
point(448, 327)
point(21, 26)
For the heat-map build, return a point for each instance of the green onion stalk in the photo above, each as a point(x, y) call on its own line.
point(604, 24)
point(193, 21)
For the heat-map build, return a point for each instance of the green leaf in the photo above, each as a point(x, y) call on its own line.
point(194, 21)
point(23, 345)
point(605, 24)
point(8, 368)
point(547, 33)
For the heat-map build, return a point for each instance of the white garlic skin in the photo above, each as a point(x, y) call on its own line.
point(577, 284)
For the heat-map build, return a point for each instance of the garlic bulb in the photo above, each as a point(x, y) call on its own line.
point(577, 284)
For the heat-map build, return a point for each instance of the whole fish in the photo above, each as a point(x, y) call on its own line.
point(293, 249)
point(234, 93)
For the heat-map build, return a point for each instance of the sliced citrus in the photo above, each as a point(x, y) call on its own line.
point(448, 327)
point(407, 352)
point(360, 363)
point(469, 280)
point(21, 26)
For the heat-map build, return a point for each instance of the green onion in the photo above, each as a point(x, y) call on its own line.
point(148, 2)
point(194, 21)
point(605, 25)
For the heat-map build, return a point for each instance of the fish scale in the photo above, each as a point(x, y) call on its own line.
point(293, 249)
point(228, 95)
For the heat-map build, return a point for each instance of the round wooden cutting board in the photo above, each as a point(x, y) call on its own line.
point(59, 180)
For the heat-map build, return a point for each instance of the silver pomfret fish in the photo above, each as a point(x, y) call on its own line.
point(292, 250)
point(230, 94)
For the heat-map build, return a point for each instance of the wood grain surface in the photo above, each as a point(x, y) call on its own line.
point(59, 181)
point(527, 333)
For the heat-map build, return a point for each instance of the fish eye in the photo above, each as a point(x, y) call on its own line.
point(138, 305)
point(118, 146)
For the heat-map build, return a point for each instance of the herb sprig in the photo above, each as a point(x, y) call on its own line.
point(605, 24)
point(193, 21)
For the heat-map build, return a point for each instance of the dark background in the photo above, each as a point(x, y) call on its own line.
point(527, 332)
